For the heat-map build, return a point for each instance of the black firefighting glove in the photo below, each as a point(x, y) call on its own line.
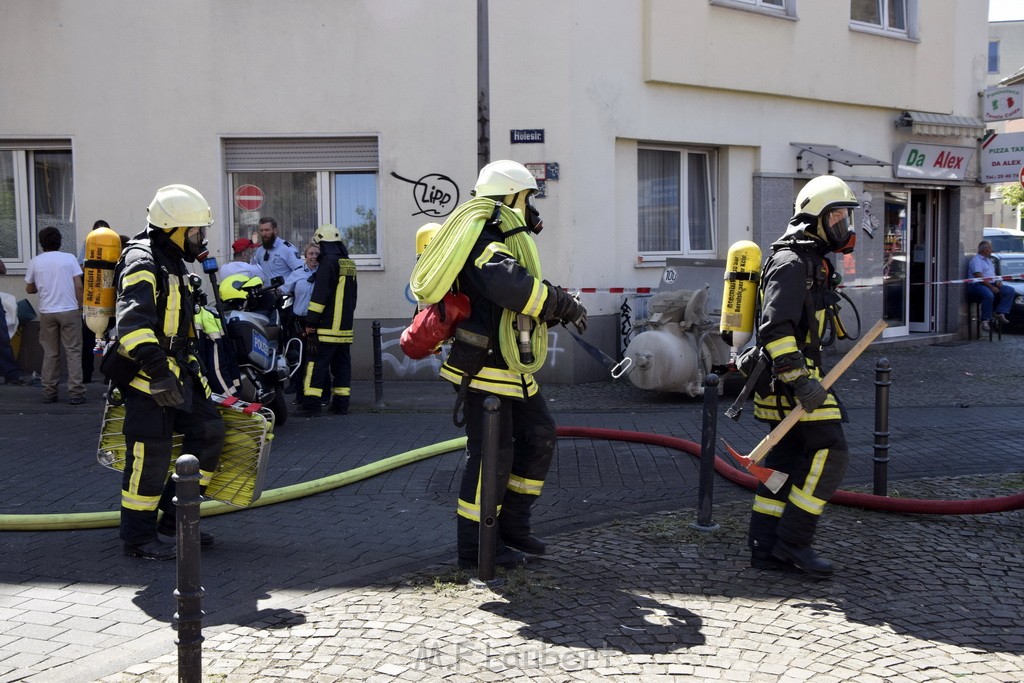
point(153, 361)
point(564, 308)
point(809, 392)
point(166, 392)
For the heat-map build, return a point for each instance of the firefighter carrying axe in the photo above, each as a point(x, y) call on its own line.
point(774, 479)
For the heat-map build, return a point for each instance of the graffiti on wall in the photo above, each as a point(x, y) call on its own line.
point(633, 315)
point(435, 194)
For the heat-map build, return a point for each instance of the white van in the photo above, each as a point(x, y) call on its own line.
point(1005, 239)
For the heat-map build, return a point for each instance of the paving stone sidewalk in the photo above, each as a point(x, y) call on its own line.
point(72, 608)
point(916, 598)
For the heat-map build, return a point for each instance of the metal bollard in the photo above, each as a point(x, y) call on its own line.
point(709, 427)
point(489, 489)
point(881, 457)
point(378, 367)
point(189, 591)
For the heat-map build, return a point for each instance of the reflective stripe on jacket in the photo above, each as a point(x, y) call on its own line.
point(792, 274)
point(154, 309)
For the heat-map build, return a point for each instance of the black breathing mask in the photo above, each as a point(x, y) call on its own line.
point(533, 219)
point(195, 243)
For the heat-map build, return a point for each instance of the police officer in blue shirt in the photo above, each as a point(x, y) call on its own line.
point(274, 256)
point(299, 284)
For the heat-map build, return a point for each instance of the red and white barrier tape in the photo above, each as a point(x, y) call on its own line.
point(652, 290)
point(615, 290)
point(964, 281)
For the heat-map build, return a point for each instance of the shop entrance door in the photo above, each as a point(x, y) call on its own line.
point(924, 250)
point(895, 279)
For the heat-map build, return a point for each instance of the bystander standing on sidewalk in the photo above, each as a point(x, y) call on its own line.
point(57, 278)
point(8, 363)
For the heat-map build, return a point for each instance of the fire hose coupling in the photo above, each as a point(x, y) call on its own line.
point(524, 330)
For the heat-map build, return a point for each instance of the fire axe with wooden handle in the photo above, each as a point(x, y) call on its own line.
point(773, 479)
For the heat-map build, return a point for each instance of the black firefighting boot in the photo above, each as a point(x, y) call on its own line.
point(514, 524)
point(310, 407)
point(794, 535)
point(167, 524)
point(139, 537)
point(339, 405)
point(803, 558)
point(761, 539)
point(468, 540)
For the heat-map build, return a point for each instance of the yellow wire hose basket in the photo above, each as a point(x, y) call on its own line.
point(242, 468)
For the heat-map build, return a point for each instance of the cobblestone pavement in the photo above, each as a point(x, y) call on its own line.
point(653, 599)
point(356, 583)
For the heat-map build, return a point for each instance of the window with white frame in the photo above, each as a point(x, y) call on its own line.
point(891, 17)
point(993, 56)
point(37, 190)
point(675, 202)
point(784, 8)
point(304, 182)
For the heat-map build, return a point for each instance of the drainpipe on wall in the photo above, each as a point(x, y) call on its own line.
point(483, 76)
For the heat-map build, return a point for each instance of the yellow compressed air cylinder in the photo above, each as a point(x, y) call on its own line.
point(742, 266)
point(102, 250)
point(424, 235)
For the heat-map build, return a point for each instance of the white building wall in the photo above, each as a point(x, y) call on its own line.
point(147, 91)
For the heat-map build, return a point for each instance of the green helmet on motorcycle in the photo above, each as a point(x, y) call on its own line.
point(232, 289)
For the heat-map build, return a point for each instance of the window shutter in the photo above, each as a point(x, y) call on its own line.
point(301, 154)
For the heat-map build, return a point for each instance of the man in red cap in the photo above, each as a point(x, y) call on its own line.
point(242, 250)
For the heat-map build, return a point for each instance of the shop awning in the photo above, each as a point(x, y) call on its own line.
point(832, 153)
point(925, 123)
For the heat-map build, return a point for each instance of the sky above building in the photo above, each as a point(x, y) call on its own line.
point(1005, 10)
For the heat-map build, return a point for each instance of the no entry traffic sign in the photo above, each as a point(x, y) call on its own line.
point(248, 197)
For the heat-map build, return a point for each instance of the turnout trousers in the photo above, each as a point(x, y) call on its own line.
point(526, 446)
point(148, 429)
point(815, 456)
point(332, 368)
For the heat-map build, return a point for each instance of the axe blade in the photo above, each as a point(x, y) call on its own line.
point(772, 479)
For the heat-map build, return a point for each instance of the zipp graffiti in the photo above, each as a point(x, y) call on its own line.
point(435, 194)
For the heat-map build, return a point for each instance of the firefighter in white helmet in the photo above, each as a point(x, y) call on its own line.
point(156, 369)
point(330, 318)
point(794, 284)
point(500, 273)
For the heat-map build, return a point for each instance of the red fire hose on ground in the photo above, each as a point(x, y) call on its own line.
point(865, 501)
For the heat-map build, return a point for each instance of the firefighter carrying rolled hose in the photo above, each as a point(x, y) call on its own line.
point(486, 251)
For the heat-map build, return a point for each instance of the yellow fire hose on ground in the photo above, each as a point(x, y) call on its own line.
point(101, 520)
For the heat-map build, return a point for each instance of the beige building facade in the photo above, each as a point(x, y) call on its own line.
point(661, 130)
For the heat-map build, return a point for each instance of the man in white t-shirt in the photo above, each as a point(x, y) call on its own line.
point(57, 278)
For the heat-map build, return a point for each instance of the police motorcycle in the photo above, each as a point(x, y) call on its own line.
point(244, 333)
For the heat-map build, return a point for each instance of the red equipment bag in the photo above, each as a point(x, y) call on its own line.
point(434, 325)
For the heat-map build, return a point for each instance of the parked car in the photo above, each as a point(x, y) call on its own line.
point(1005, 239)
point(1012, 263)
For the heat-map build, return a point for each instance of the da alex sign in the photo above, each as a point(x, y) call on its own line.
point(938, 162)
point(1002, 156)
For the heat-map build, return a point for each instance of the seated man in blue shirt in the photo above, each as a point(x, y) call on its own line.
point(981, 265)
